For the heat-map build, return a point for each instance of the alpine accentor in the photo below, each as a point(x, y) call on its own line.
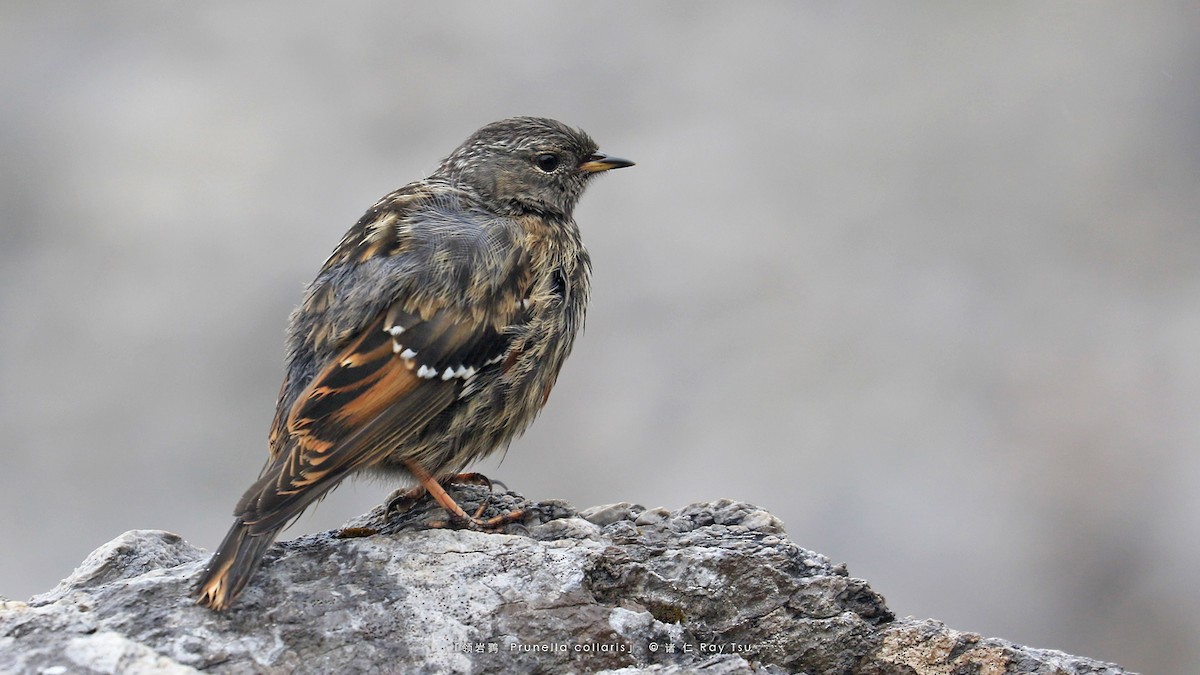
point(433, 334)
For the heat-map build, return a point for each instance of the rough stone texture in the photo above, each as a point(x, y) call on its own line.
point(711, 588)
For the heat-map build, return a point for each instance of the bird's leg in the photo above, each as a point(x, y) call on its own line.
point(438, 492)
point(495, 522)
point(457, 515)
point(404, 501)
point(473, 479)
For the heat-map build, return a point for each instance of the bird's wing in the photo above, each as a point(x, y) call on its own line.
point(401, 371)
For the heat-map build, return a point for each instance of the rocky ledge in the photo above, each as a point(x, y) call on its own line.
point(712, 588)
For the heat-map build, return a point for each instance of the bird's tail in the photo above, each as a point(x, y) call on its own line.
point(234, 563)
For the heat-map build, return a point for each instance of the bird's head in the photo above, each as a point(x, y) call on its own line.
point(528, 165)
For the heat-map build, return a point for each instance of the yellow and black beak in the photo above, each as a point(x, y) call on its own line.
point(602, 162)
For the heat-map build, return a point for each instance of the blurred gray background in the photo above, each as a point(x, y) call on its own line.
point(919, 278)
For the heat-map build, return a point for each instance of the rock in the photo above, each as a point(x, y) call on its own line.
point(711, 588)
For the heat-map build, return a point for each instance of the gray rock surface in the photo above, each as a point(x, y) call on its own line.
point(711, 588)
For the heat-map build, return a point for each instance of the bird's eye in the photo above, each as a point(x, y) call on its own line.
point(547, 161)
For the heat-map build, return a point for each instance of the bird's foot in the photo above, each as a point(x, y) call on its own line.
point(403, 501)
point(457, 519)
point(477, 524)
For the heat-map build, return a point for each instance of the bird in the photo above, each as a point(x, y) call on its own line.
point(431, 336)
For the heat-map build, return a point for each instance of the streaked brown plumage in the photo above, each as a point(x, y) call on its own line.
point(433, 334)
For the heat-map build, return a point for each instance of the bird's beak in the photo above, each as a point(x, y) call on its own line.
point(602, 162)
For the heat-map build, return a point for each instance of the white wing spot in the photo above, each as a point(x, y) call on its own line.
point(408, 355)
point(426, 372)
point(448, 374)
point(394, 330)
